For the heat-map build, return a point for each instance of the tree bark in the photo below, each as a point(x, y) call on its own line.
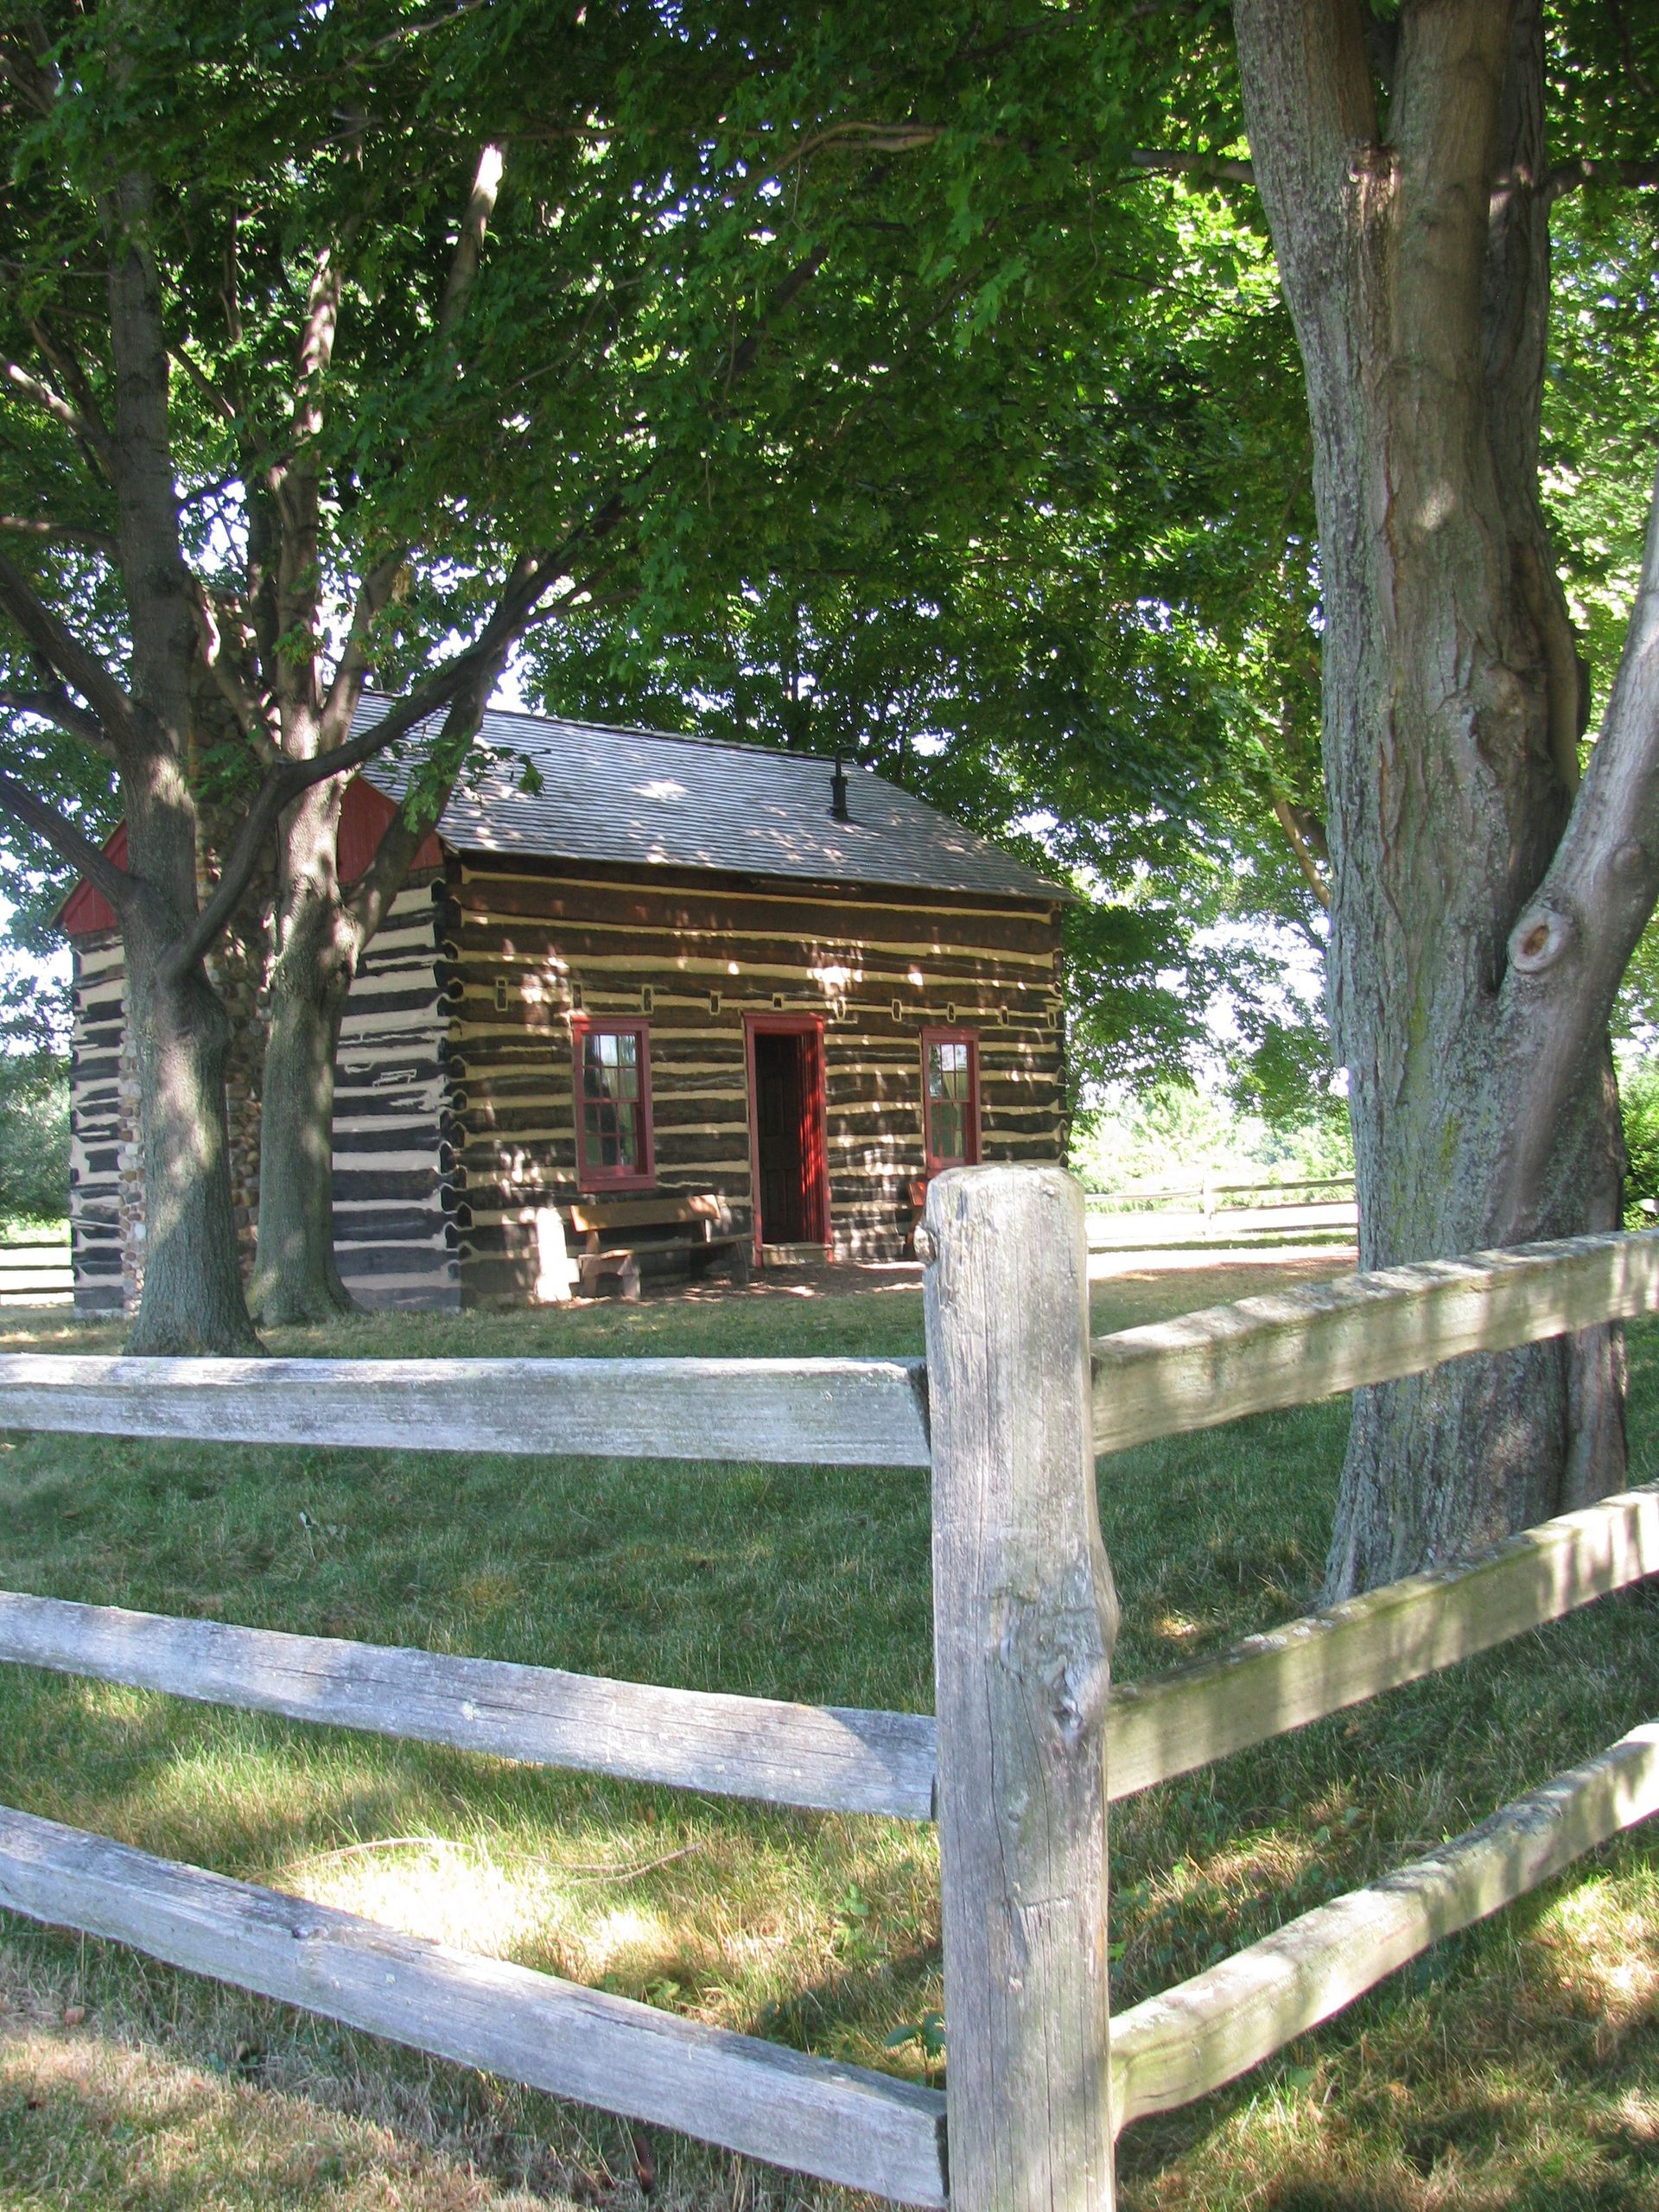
point(191, 1301)
point(296, 1276)
point(1414, 257)
point(192, 1297)
point(322, 930)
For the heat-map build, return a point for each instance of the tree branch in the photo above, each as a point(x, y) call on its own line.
point(745, 356)
point(339, 703)
point(452, 14)
point(1209, 168)
point(36, 84)
point(1572, 176)
point(872, 138)
point(71, 372)
point(50, 403)
point(80, 668)
point(250, 718)
point(287, 778)
point(57, 533)
point(1568, 951)
point(1286, 815)
point(469, 246)
point(87, 859)
point(57, 707)
point(224, 408)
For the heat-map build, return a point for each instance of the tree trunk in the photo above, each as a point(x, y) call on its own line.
point(191, 1299)
point(296, 1277)
point(1452, 714)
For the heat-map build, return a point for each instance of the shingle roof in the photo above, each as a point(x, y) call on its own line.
point(661, 801)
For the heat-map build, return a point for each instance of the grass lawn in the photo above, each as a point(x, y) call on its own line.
point(1517, 2066)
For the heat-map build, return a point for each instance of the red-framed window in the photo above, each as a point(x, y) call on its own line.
point(612, 1097)
point(949, 1098)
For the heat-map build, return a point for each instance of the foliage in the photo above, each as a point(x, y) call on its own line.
point(33, 1136)
point(1013, 547)
point(34, 1095)
point(1175, 1132)
point(1638, 1098)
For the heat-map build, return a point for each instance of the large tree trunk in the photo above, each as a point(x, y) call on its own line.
point(321, 931)
point(1451, 715)
point(296, 1277)
point(191, 1301)
point(192, 1296)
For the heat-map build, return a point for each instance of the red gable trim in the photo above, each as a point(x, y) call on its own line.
point(85, 912)
point(363, 819)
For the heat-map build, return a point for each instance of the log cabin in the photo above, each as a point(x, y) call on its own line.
point(633, 971)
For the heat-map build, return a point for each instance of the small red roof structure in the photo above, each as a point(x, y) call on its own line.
point(363, 818)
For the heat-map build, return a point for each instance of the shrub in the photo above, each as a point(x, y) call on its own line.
point(33, 1136)
point(1638, 1097)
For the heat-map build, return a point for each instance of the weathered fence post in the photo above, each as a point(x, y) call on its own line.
point(1025, 1617)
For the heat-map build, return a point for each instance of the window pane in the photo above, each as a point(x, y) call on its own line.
point(611, 1102)
point(947, 1132)
point(610, 1066)
point(947, 1070)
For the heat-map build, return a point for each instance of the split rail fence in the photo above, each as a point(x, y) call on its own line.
point(1029, 1742)
point(1249, 1213)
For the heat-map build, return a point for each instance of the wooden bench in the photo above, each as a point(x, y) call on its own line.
point(619, 1233)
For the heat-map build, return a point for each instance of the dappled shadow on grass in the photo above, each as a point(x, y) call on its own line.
point(1463, 2080)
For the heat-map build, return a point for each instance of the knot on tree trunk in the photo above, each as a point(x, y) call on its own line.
point(1540, 938)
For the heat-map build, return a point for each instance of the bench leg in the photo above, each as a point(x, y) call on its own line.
point(596, 1268)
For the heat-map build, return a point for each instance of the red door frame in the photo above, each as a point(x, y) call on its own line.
point(791, 1025)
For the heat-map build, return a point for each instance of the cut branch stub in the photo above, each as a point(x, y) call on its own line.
point(1540, 938)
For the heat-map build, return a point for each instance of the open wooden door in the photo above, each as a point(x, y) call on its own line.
point(788, 1153)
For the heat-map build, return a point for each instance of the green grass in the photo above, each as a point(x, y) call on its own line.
point(1514, 2066)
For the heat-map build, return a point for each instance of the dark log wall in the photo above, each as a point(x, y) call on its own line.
point(878, 965)
point(393, 1235)
point(102, 1163)
point(454, 1116)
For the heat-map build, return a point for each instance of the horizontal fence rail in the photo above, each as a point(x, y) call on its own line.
point(1194, 2038)
point(1130, 1232)
point(840, 2123)
point(845, 1759)
point(36, 1275)
point(828, 1758)
point(1263, 1354)
point(1252, 1194)
point(1269, 1684)
point(845, 1412)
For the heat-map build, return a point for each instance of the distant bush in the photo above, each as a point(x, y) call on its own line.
point(1175, 1133)
point(1638, 1097)
point(33, 1136)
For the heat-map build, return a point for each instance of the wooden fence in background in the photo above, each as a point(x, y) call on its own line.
point(1030, 1741)
point(36, 1274)
point(1247, 1213)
